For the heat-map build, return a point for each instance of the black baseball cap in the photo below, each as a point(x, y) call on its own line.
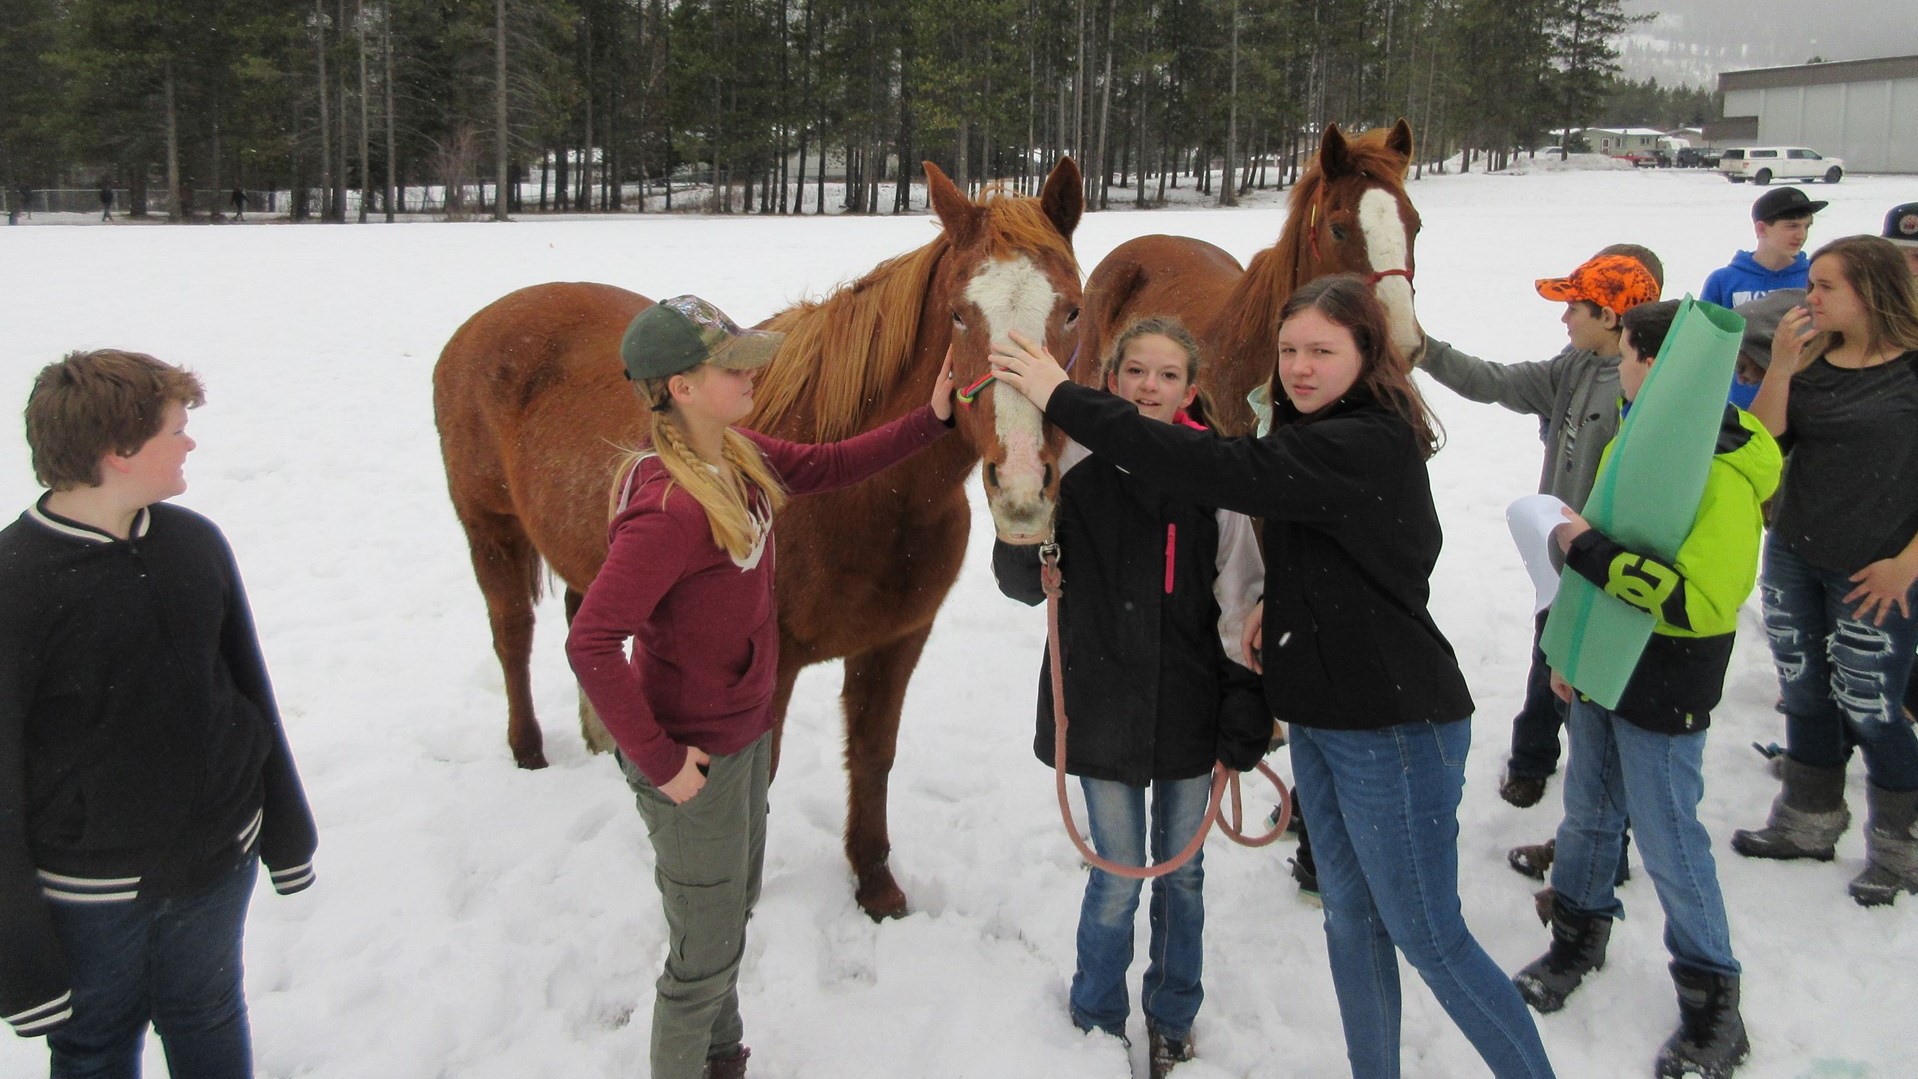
point(1784, 202)
point(1901, 225)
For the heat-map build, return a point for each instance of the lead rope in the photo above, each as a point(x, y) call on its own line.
point(1053, 583)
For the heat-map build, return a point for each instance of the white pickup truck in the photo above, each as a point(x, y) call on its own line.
point(1763, 164)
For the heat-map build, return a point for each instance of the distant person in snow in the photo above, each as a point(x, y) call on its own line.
point(106, 202)
point(144, 771)
point(239, 203)
point(1781, 218)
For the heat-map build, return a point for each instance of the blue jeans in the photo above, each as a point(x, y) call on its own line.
point(1841, 678)
point(173, 962)
point(1617, 771)
point(1535, 747)
point(1171, 993)
point(1384, 811)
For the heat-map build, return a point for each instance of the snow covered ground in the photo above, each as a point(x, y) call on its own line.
point(475, 920)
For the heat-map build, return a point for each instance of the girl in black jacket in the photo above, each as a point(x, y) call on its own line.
point(1159, 590)
point(1378, 712)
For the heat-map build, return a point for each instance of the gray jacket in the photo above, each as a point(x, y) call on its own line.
point(1575, 394)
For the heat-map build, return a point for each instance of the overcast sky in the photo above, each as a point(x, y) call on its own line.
point(1691, 41)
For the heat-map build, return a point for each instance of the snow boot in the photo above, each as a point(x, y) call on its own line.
point(732, 1067)
point(1890, 849)
point(1807, 817)
point(1578, 948)
point(1519, 790)
point(1710, 1041)
point(1164, 1054)
point(1535, 860)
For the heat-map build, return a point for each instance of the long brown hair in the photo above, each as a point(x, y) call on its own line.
point(1875, 269)
point(720, 487)
point(1347, 301)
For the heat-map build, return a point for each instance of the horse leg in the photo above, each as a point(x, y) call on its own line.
point(782, 699)
point(591, 728)
point(507, 568)
point(874, 693)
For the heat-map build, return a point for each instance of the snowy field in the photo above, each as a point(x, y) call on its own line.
point(475, 921)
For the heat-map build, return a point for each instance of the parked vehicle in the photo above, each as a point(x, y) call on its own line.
point(1763, 164)
point(1697, 157)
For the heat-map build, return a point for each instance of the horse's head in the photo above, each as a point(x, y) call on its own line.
point(1358, 219)
point(1010, 267)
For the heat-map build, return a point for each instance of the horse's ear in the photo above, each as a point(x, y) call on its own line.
point(956, 212)
point(1064, 197)
point(1334, 158)
point(1399, 140)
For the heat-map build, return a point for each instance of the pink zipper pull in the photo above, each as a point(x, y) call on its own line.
point(1171, 548)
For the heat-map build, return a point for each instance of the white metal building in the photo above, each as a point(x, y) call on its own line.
point(1865, 111)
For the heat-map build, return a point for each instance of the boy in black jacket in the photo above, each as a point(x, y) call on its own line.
point(144, 772)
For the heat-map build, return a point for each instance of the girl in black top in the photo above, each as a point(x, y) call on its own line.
point(1378, 712)
point(1841, 396)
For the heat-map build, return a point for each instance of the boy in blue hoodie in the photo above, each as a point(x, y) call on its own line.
point(1781, 218)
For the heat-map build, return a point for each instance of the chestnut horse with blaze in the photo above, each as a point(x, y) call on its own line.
point(532, 403)
point(1348, 213)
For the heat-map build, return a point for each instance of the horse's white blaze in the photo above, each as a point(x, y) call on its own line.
point(1014, 295)
point(1389, 247)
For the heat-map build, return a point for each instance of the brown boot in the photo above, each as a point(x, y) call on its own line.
point(732, 1067)
point(1164, 1054)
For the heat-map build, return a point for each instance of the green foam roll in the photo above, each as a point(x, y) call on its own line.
point(1646, 496)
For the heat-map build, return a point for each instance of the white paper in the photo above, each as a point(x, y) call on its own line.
point(1532, 519)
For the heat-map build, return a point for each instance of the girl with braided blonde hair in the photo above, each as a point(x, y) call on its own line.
point(688, 579)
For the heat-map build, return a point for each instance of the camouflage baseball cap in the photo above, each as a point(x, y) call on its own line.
point(1618, 282)
point(683, 332)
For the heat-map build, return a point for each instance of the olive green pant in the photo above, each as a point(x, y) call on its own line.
point(708, 853)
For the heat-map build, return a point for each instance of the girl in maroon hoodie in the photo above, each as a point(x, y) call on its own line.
point(689, 579)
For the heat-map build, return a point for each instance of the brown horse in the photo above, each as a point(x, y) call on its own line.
point(531, 402)
point(1348, 213)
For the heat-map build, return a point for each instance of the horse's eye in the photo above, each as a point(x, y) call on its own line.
point(1072, 318)
point(1338, 233)
point(958, 320)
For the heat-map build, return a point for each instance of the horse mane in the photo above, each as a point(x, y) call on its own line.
point(1252, 313)
point(843, 354)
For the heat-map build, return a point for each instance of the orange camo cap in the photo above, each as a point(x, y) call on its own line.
point(1618, 282)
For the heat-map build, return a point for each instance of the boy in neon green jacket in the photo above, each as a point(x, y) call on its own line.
point(1644, 759)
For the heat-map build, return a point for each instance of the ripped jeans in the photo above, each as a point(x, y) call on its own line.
point(1841, 679)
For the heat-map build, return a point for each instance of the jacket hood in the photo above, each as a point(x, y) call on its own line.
point(1745, 445)
point(1789, 277)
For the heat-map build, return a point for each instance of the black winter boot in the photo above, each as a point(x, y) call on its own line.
point(1578, 948)
point(1807, 817)
point(1890, 849)
point(1304, 869)
point(1710, 1041)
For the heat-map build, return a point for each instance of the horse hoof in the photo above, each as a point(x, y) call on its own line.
point(531, 761)
point(881, 898)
